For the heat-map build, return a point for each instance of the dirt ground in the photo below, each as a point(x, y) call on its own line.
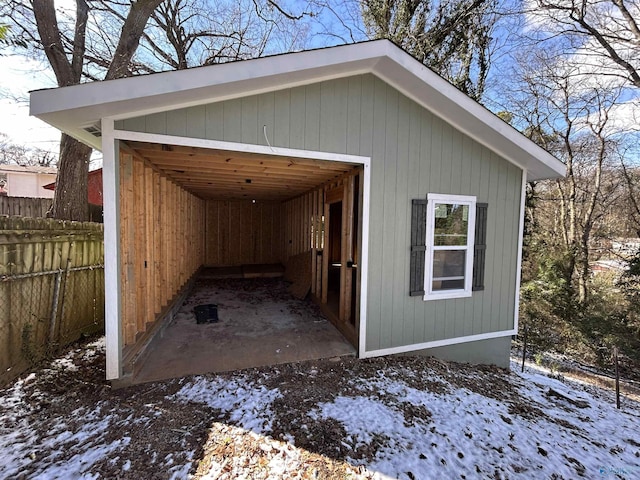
point(173, 432)
point(155, 436)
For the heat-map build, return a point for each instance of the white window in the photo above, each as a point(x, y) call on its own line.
point(449, 246)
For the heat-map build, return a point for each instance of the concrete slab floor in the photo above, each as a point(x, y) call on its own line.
point(260, 323)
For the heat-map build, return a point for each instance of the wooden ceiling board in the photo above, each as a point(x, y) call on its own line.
point(221, 174)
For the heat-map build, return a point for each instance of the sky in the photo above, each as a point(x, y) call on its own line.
point(21, 74)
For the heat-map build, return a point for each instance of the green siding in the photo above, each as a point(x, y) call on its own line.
point(413, 153)
point(494, 351)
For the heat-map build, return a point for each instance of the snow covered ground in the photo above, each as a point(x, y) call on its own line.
point(383, 418)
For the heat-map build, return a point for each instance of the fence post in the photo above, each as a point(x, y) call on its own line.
point(524, 348)
point(64, 288)
point(615, 358)
point(54, 310)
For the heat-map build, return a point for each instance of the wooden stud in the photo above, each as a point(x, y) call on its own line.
point(157, 247)
point(149, 244)
point(140, 240)
point(347, 250)
point(325, 256)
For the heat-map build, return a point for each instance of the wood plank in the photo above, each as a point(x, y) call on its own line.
point(139, 212)
point(149, 243)
point(257, 253)
point(320, 240)
point(218, 159)
point(235, 246)
point(158, 299)
point(245, 236)
point(223, 235)
point(325, 256)
point(164, 228)
point(314, 243)
point(212, 229)
point(348, 249)
point(358, 259)
point(128, 245)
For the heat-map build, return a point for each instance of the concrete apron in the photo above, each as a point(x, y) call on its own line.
point(259, 324)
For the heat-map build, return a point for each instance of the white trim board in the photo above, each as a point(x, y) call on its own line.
point(112, 222)
point(523, 199)
point(436, 343)
point(240, 147)
point(112, 307)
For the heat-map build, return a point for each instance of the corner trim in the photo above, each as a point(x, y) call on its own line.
point(111, 192)
point(523, 198)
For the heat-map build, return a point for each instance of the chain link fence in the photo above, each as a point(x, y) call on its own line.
point(51, 288)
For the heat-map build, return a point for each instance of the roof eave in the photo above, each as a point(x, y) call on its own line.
point(71, 109)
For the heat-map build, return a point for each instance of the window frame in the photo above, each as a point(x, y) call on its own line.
point(432, 200)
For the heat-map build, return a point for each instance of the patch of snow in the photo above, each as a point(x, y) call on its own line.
point(95, 348)
point(64, 363)
point(477, 435)
point(248, 404)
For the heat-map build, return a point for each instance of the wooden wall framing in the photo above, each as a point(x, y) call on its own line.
point(162, 239)
point(305, 225)
point(241, 232)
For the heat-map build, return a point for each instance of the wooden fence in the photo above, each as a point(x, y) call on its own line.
point(38, 207)
point(51, 288)
point(24, 206)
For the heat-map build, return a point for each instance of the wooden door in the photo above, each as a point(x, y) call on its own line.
point(338, 259)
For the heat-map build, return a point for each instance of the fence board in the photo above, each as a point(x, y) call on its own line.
point(25, 206)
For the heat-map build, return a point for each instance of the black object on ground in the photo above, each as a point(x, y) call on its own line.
point(207, 313)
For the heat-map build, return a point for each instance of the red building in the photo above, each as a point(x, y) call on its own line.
point(94, 186)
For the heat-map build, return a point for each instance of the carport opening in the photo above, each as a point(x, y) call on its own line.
point(194, 219)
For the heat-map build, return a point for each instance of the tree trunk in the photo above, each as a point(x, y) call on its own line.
point(70, 201)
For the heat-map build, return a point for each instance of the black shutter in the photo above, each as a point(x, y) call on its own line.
point(418, 248)
point(480, 247)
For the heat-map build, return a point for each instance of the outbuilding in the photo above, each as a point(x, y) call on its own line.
point(404, 196)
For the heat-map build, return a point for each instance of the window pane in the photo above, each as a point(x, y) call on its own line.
point(451, 224)
point(447, 285)
point(448, 263)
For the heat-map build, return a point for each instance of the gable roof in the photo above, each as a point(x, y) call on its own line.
point(76, 110)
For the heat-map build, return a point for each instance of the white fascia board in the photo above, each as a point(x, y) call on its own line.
point(523, 199)
point(71, 108)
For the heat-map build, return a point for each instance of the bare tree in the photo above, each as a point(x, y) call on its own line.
point(569, 115)
point(188, 33)
point(631, 178)
point(12, 153)
point(47, 30)
point(451, 37)
point(108, 39)
point(605, 34)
